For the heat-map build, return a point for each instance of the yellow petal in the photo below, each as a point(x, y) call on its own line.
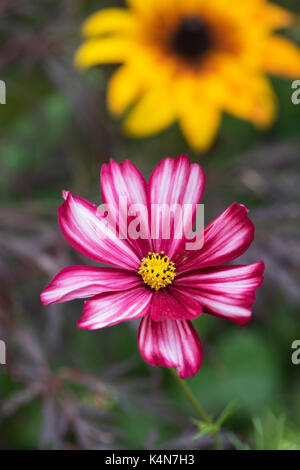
point(153, 113)
point(249, 96)
point(281, 57)
point(140, 5)
point(275, 16)
point(110, 20)
point(199, 123)
point(150, 7)
point(123, 89)
point(102, 51)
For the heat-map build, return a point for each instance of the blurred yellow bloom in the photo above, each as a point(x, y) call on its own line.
point(190, 60)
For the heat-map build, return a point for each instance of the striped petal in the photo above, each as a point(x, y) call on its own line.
point(92, 236)
point(123, 181)
point(76, 282)
point(173, 182)
point(115, 307)
point(226, 238)
point(227, 292)
point(174, 304)
point(171, 343)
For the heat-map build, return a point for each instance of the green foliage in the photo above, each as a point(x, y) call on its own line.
point(244, 363)
point(270, 432)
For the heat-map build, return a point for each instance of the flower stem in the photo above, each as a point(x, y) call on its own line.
point(191, 397)
point(201, 413)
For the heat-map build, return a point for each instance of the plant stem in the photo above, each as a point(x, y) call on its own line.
point(218, 442)
point(191, 397)
point(201, 413)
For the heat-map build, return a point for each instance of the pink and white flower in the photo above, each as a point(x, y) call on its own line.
point(157, 280)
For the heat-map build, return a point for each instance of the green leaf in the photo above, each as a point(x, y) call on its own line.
point(206, 429)
point(237, 443)
point(228, 411)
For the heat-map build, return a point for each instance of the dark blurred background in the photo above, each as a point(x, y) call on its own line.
point(68, 388)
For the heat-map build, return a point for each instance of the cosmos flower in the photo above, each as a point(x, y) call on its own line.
point(189, 61)
point(158, 280)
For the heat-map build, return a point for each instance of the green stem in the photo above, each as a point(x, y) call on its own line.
point(218, 441)
point(192, 399)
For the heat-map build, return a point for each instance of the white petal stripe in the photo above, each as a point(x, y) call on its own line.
point(171, 343)
point(110, 309)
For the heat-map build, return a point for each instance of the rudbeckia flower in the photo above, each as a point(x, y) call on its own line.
point(156, 279)
point(189, 61)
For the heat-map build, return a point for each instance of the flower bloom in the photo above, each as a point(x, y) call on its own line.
point(190, 60)
point(157, 280)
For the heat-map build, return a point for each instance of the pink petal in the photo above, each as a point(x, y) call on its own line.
point(86, 232)
point(174, 181)
point(171, 343)
point(77, 282)
point(126, 181)
point(173, 303)
point(227, 292)
point(115, 307)
point(226, 238)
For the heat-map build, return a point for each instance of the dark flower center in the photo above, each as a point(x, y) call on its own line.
point(192, 39)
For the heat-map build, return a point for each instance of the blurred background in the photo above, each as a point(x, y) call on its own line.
point(69, 388)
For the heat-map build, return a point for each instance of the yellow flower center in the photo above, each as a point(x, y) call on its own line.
point(157, 270)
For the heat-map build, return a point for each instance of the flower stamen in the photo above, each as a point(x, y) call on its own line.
point(157, 270)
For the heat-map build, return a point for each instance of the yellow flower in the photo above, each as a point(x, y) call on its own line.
point(190, 60)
